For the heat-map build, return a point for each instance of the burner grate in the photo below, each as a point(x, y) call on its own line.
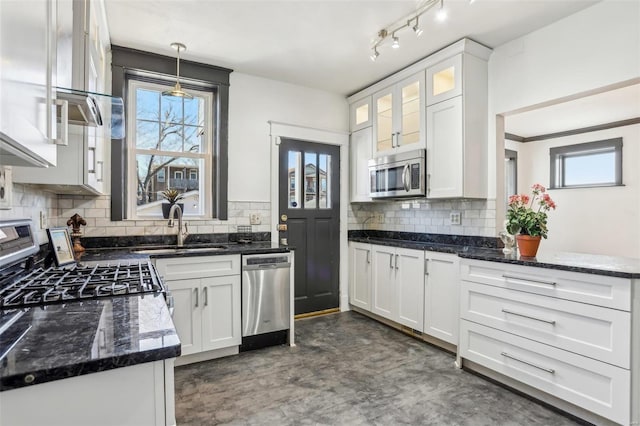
point(59, 285)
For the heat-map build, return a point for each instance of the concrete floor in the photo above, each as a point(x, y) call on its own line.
point(347, 370)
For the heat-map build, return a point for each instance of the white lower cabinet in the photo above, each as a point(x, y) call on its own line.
point(206, 292)
point(571, 335)
point(360, 275)
point(138, 395)
point(398, 285)
point(441, 296)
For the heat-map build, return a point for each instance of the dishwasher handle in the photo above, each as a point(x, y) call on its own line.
point(265, 266)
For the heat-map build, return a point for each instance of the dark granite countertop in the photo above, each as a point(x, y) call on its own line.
point(72, 339)
point(132, 253)
point(613, 266)
point(480, 248)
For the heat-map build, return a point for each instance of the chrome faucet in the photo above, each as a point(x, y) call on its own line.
point(181, 235)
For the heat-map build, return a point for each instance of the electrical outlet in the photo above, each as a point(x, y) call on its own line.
point(380, 218)
point(255, 218)
point(405, 206)
point(416, 205)
point(455, 218)
point(43, 220)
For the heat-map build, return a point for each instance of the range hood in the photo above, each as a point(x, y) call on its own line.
point(90, 109)
point(83, 109)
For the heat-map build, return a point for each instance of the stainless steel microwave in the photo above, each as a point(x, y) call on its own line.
point(398, 175)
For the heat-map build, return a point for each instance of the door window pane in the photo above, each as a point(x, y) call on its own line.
point(310, 180)
point(444, 81)
point(325, 181)
point(294, 179)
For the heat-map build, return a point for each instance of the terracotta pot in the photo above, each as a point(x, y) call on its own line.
point(528, 245)
point(166, 207)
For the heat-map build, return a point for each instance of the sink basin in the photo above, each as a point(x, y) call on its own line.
point(178, 250)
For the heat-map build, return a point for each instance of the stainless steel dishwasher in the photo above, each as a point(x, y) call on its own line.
point(265, 299)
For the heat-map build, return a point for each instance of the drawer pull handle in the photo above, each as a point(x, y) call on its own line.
point(552, 322)
point(548, 370)
point(515, 277)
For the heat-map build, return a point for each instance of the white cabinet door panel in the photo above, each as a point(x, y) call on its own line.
point(384, 290)
point(598, 387)
point(441, 298)
point(220, 312)
point(361, 152)
point(187, 314)
point(592, 331)
point(360, 275)
point(409, 286)
point(445, 165)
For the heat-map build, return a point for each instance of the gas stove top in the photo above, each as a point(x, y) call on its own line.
point(23, 286)
point(59, 285)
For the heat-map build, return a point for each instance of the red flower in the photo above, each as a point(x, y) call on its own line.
point(524, 198)
point(537, 188)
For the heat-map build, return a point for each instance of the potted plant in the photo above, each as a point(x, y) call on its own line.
point(527, 219)
point(172, 195)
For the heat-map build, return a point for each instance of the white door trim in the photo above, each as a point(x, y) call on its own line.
point(278, 130)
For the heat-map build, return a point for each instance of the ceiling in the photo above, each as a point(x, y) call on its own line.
point(602, 108)
point(323, 44)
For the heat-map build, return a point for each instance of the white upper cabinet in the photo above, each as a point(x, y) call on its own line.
point(398, 116)
point(457, 128)
point(360, 114)
point(83, 52)
point(444, 80)
point(360, 147)
point(27, 78)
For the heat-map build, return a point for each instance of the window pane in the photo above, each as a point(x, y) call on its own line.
point(171, 137)
point(385, 122)
point(171, 109)
point(294, 179)
point(157, 173)
point(444, 81)
point(362, 114)
point(194, 111)
point(310, 183)
point(147, 134)
point(589, 169)
point(147, 104)
point(193, 138)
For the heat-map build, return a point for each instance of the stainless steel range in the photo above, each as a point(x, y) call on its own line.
point(21, 285)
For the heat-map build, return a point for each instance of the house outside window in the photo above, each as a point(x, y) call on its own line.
point(173, 134)
point(587, 164)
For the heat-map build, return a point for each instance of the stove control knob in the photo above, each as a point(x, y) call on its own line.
point(29, 378)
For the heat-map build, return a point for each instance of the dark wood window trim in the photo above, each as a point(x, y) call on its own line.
point(127, 62)
point(557, 154)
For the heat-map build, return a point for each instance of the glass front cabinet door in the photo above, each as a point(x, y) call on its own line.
point(444, 80)
point(399, 117)
point(360, 114)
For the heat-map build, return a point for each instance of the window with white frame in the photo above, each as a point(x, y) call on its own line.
point(173, 134)
point(587, 164)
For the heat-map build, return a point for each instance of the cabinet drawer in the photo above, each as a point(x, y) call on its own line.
point(186, 267)
point(600, 290)
point(592, 331)
point(593, 385)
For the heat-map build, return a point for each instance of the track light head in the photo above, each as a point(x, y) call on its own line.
point(441, 15)
point(375, 54)
point(416, 28)
point(396, 42)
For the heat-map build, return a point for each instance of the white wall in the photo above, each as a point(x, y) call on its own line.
point(253, 101)
point(589, 220)
point(593, 48)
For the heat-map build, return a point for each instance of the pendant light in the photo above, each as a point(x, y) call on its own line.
point(177, 89)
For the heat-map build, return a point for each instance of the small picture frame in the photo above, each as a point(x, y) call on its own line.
point(61, 247)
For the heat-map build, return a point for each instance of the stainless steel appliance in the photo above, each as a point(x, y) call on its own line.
point(398, 175)
point(265, 293)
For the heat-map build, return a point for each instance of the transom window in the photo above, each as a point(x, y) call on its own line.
point(587, 164)
point(169, 137)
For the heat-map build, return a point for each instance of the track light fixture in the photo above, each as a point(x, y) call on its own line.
point(396, 43)
point(416, 28)
point(177, 89)
point(406, 22)
point(441, 15)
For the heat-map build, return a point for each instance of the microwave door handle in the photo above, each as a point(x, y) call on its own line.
point(405, 178)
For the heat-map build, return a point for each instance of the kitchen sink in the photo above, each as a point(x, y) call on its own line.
point(178, 250)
